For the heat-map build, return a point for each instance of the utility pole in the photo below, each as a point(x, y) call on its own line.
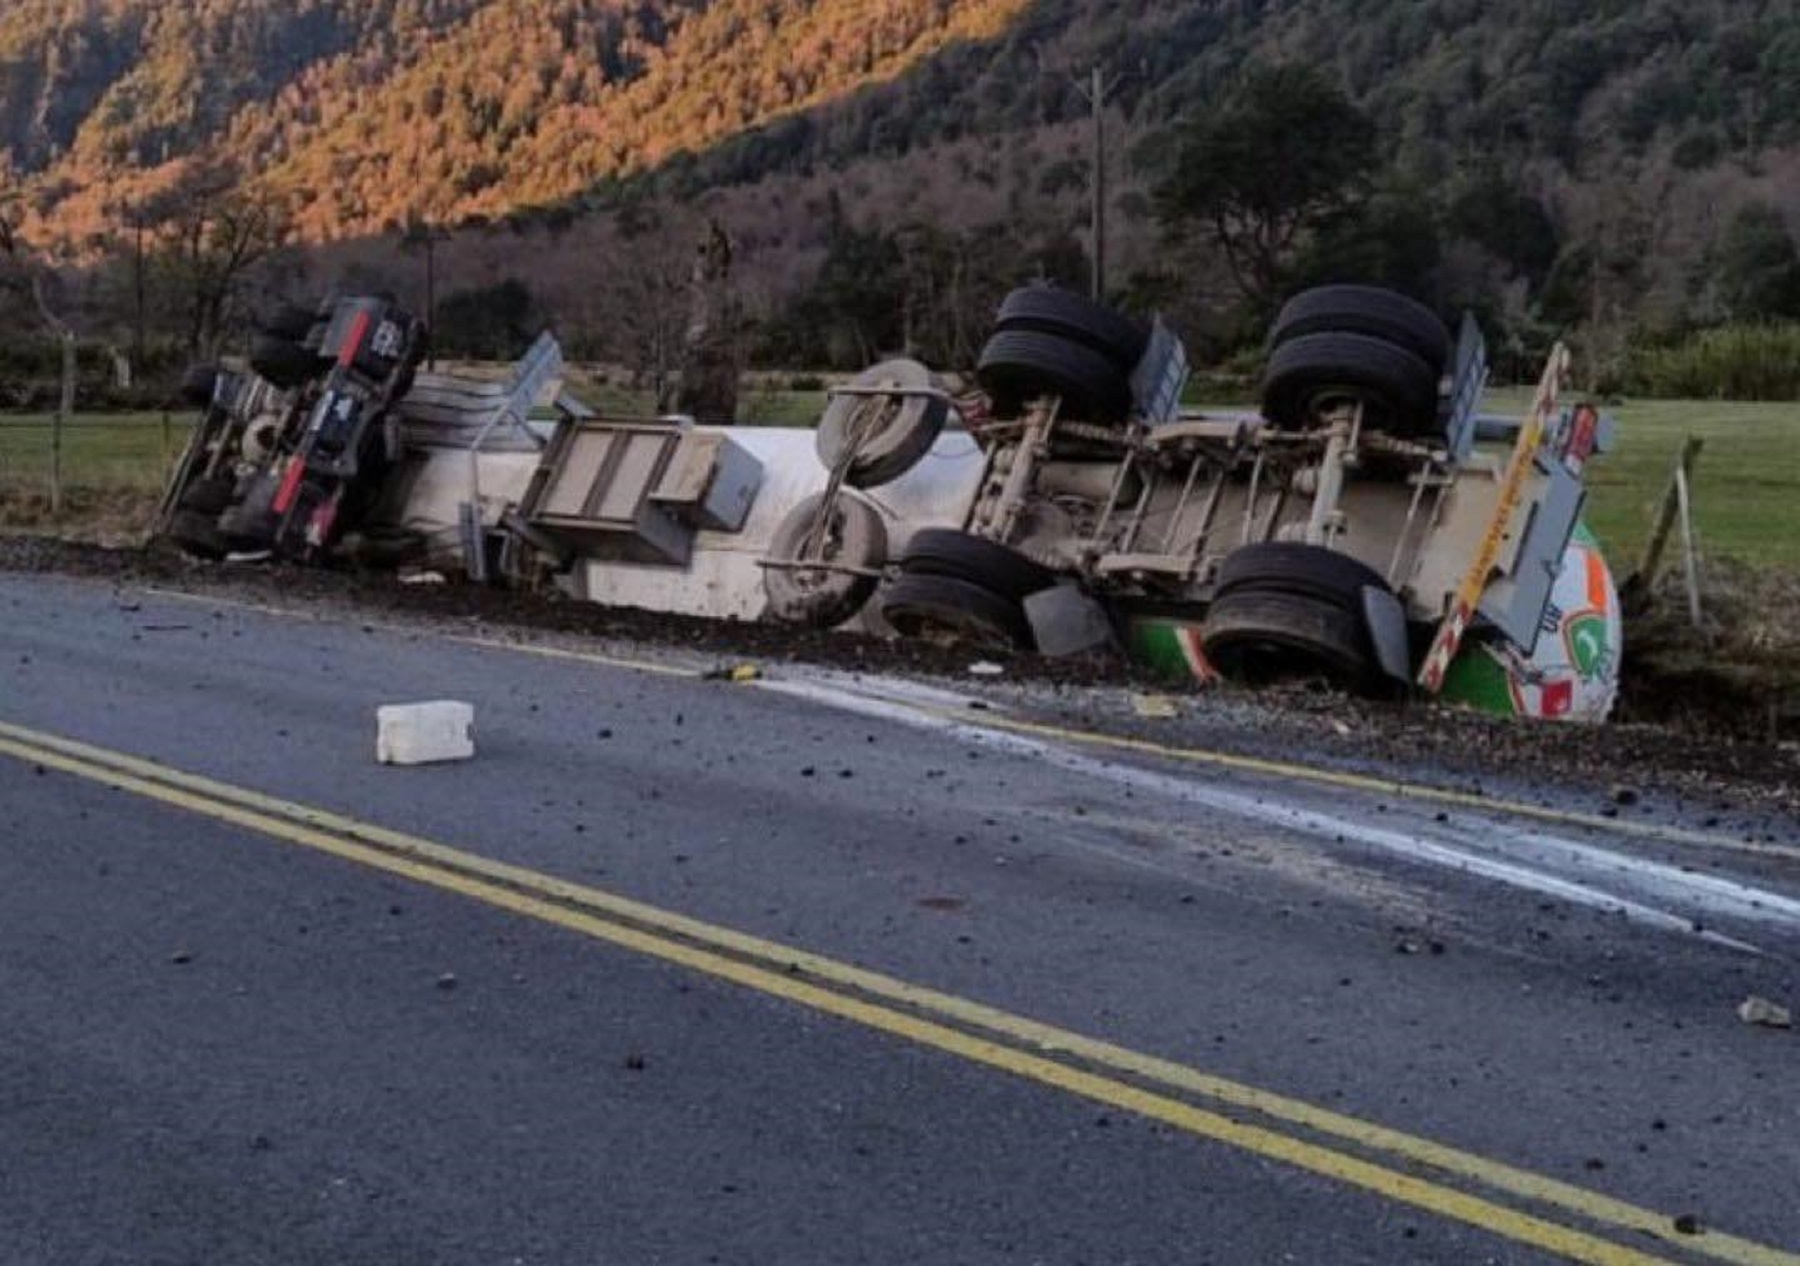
point(1095, 90)
point(137, 285)
point(431, 290)
point(425, 235)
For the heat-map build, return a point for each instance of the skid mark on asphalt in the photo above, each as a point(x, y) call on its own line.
point(951, 706)
point(1667, 898)
point(1651, 894)
point(1506, 1201)
point(1184, 851)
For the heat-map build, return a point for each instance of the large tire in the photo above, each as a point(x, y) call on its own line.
point(1047, 310)
point(901, 428)
point(1283, 609)
point(1290, 567)
point(1017, 365)
point(282, 363)
point(1398, 390)
point(388, 550)
point(1369, 310)
point(1257, 635)
point(290, 322)
point(208, 497)
point(856, 536)
point(955, 610)
point(196, 534)
point(976, 560)
point(252, 523)
point(198, 385)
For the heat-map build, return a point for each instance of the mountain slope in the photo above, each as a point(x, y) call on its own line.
point(362, 114)
point(367, 110)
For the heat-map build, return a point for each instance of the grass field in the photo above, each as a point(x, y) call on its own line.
point(115, 450)
point(1746, 486)
point(1746, 493)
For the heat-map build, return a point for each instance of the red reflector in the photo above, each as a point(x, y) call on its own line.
point(319, 530)
point(290, 486)
point(359, 330)
point(1559, 697)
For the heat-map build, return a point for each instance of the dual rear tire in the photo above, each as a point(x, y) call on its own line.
point(1356, 343)
point(955, 587)
point(1284, 610)
point(1050, 342)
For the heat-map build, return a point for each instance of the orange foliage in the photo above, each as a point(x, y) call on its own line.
point(359, 113)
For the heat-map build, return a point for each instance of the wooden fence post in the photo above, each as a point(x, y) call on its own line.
point(1673, 499)
point(65, 412)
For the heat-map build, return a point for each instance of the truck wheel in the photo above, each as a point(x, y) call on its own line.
point(900, 429)
point(1292, 567)
point(252, 523)
point(1370, 310)
point(208, 497)
point(1283, 609)
point(960, 556)
point(1017, 365)
point(196, 534)
point(1398, 390)
point(282, 363)
point(290, 322)
point(941, 608)
point(855, 536)
point(1258, 635)
point(1048, 310)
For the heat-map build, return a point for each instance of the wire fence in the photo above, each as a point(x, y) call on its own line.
point(133, 451)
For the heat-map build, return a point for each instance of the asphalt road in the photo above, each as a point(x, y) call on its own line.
point(267, 1001)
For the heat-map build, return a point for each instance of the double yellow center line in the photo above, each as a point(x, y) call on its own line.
point(1514, 1203)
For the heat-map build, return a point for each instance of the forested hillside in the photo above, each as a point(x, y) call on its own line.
point(360, 113)
point(368, 109)
point(1619, 165)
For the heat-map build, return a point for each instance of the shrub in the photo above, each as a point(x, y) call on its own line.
point(1732, 362)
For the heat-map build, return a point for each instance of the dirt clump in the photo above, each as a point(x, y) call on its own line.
point(1737, 675)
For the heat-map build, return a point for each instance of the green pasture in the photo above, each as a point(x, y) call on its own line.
point(1746, 490)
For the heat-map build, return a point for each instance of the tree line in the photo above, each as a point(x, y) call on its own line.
point(1281, 181)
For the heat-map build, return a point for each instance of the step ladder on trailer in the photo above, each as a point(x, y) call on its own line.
point(458, 412)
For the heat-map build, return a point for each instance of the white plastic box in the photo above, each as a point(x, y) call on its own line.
point(424, 733)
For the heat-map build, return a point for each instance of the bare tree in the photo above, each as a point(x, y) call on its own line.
point(215, 233)
point(21, 269)
point(644, 310)
point(24, 271)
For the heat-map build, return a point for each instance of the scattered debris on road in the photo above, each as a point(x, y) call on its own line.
point(1155, 707)
point(1731, 779)
point(737, 674)
point(1764, 1014)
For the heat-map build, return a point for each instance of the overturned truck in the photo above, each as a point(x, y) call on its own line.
point(1369, 524)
